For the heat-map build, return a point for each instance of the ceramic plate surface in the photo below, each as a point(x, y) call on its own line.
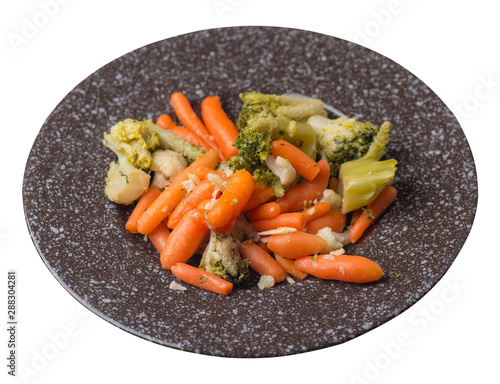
point(80, 234)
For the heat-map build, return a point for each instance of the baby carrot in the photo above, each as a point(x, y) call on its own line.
point(306, 192)
point(203, 191)
point(190, 136)
point(264, 211)
point(183, 241)
point(164, 121)
point(261, 194)
point(228, 228)
point(296, 244)
point(334, 219)
point(353, 269)
point(372, 213)
point(173, 194)
point(201, 279)
point(290, 267)
point(303, 164)
point(159, 236)
point(295, 220)
point(144, 202)
point(316, 211)
point(219, 125)
point(187, 116)
point(238, 190)
point(261, 261)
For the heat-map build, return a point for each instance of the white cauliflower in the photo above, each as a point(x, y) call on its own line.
point(167, 165)
point(334, 241)
point(282, 168)
point(332, 198)
point(125, 183)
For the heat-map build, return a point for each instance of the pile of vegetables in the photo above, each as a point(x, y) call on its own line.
point(282, 191)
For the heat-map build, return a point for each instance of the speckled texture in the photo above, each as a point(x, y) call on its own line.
point(80, 235)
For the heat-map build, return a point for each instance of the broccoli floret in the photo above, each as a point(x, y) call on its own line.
point(361, 180)
point(295, 108)
point(132, 140)
point(132, 143)
point(222, 258)
point(265, 118)
point(341, 139)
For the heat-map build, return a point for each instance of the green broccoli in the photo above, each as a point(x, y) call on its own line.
point(341, 139)
point(132, 143)
point(265, 118)
point(295, 108)
point(222, 258)
point(361, 180)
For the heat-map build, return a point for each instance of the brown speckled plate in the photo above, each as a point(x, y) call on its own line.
point(80, 234)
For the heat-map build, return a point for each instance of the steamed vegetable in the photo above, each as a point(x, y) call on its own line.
point(265, 118)
point(341, 139)
point(132, 143)
point(222, 258)
point(361, 180)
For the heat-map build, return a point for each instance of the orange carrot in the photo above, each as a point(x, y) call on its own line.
point(261, 194)
point(306, 192)
point(290, 267)
point(334, 219)
point(295, 220)
point(173, 194)
point(164, 121)
point(219, 125)
point(201, 279)
point(261, 261)
point(353, 269)
point(183, 241)
point(264, 211)
point(203, 191)
point(190, 136)
point(228, 228)
point(296, 244)
point(238, 190)
point(187, 116)
point(316, 211)
point(144, 202)
point(303, 164)
point(159, 236)
point(372, 213)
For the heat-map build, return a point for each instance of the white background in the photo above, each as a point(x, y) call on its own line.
point(448, 336)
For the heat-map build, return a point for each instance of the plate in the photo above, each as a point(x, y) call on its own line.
point(80, 234)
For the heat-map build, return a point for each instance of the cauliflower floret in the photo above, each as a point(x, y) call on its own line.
point(125, 183)
point(265, 281)
point(333, 242)
point(332, 198)
point(167, 165)
point(282, 168)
